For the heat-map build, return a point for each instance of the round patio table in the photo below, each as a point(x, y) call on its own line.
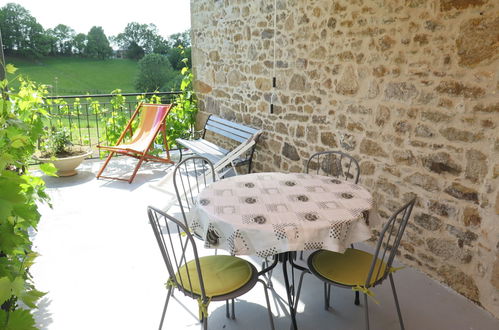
point(268, 213)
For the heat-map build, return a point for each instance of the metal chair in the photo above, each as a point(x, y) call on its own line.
point(190, 177)
point(334, 163)
point(206, 279)
point(359, 270)
point(337, 164)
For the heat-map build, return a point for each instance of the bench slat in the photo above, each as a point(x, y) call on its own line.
point(204, 146)
point(234, 130)
point(226, 133)
point(249, 130)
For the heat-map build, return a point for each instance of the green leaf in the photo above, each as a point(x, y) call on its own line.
point(9, 68)
point(48, 169)
point(20, 319)
point(5, 289)
point(31, 297)
point(5, 209)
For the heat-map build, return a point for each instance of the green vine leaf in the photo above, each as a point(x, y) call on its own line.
point(20, 319)
point(49, 169)
point(10, 68)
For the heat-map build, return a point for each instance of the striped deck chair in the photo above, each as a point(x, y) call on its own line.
point(152, 119)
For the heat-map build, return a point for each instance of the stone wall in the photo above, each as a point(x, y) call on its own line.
point(409, 87)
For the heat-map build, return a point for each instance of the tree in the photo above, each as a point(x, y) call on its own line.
point(134, 51)
point(154, 72)
point(79, 43)
point(97, 44)
point(22, 35)
point(64, 36)
point(180, 39)
point(136, 36)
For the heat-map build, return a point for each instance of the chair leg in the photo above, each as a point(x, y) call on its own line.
point(227, 314)
point(366, 311)
point(105, 164)
point(170, 290)
point(268, 304)
point(141, 160)
point(327, 296)
point(233, 310)
point(396, 302)
point(357, 300)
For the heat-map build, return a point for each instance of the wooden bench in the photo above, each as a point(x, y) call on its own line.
point(246, 136)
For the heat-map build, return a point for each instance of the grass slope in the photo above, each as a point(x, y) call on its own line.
point(79, 75)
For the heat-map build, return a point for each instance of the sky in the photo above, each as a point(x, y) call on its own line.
point(169, 16)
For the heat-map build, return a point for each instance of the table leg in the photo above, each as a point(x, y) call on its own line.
point(291, 296)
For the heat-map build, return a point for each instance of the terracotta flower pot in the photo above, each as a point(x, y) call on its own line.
point(67, 166)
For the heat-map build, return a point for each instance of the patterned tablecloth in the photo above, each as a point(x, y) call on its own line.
point(268, 213)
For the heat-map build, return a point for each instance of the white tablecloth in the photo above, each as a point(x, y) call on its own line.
point(268, 213)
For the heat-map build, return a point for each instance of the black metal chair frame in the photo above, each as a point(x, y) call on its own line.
point(175, 258)
point(190, 176)
point(385, 251)
point(350, 171)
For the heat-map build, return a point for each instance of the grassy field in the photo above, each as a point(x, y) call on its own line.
point(69, 76)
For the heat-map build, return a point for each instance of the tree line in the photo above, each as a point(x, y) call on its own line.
point(23, 36)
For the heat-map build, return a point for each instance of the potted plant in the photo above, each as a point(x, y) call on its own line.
point(58, 149)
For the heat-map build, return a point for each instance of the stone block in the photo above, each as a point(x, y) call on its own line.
point(459, 281)
point(382, 115)
point(297, 83)
point(387, 187)
point(456, 88)
point(367, 168)
point(386, 42)
point(348, 142)
point(348, 84)
point(329, 139)
point(428, 222)
point(290, 152)
point(448, 250)
point(461, 192)
point(477, 41)
point(435, 116)
point(424, 131)
point(476, 165)
point(465, 237)
point(402, 91)
point(441, 162)
point(454, 134)
point(446, 5)
point(201, 87)
point(440, 208)
point(263, 84)
point(372, 148)
point(489, 108)
point(424, 181)
point(403, 157)
point(494, 278)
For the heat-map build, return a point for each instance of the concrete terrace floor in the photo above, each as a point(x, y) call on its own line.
point(102, 269)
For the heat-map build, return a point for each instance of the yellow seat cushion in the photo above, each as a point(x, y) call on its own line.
point(350, 268)
point(221, 275)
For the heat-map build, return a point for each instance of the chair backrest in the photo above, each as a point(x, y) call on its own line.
point(151, 118)
point(388, 243)
point(178, 248)
point(190, 177)
point(334, 163)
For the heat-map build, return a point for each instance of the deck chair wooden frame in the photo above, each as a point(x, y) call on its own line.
point(152, 122)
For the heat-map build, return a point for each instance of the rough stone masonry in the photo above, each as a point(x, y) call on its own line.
point(408, 87)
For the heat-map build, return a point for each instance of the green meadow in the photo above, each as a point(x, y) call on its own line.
point(71, 75)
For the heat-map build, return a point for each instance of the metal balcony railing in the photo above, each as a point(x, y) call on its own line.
point(90, 118)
